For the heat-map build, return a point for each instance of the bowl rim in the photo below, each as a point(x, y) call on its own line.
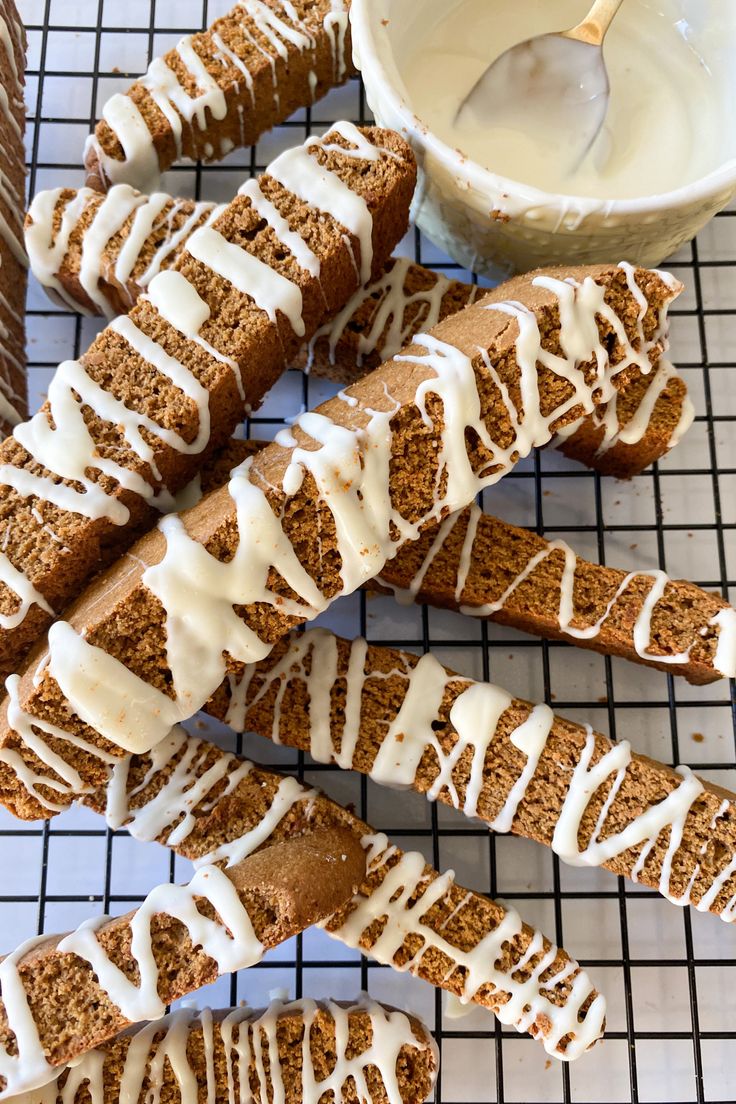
point(367, 24)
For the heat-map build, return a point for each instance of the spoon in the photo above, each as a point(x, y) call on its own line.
point(553, 87)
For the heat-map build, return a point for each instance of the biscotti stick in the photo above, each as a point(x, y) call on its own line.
point(63, 995)
point(221, 89)
point(13, 260)
point(484, 567)
point(411, 723)
point(159, 390)
point(94, 262)
point(214, 807)
point(300, 1052)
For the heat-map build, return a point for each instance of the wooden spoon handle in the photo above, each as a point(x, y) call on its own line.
point(593, 28)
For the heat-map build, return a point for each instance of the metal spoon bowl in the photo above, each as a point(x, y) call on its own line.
point(553, 87)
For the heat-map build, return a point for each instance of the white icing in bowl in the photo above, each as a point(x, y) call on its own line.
point(489, 222)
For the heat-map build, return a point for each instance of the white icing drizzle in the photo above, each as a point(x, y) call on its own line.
point(296, 244)
point(29, 1067)
point(147, 218)
point(185, 789)
point(140, 166)
point(351, 469)
point(337, 23)
point(230, 56)
point(182, 792)
point(68, 451)
point(279, 33)
point(247, 1037)
point(302, 174)
point(230, 940)
point(104, 693)
point(175, 238)
point(390, 313)
point(180, 304)
point(24, 590)
point(671, 813)
point(110, 217)
point(725, 657)
point(634, 430)
point(33, 732)
point(172, 98)
point(475, 715)
point(11, 104)
point(270, 290)
point(724, 660)
point(47, 250)
point(391, 901)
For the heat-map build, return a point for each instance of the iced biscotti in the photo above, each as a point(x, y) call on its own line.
point(13, 260)
point(221, 89)
point(295, 1052)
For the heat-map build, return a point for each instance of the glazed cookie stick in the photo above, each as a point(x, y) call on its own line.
point(63, 995)
point(319, 513)
point(95, 262)
point(221, 89)
point(411, 723)
point(484, 567)
point(213, 807)
point(13, 260)
point(301, 1052)
point(134, 419)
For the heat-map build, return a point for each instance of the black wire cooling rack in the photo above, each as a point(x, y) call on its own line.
point(669, 974)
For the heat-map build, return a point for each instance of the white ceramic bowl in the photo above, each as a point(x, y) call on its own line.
point(492, 224)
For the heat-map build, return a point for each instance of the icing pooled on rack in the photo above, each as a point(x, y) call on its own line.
point(351, 468)
point(255, 1060)
point(229, 940)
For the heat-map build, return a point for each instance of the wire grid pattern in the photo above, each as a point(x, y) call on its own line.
point(669, 974)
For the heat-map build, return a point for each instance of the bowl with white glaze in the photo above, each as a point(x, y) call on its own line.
point(493, 224)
